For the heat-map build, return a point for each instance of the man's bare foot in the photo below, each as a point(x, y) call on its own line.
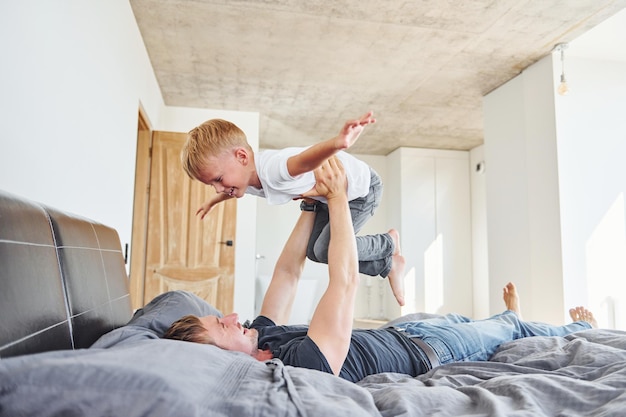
point(582, 314)
point(511, 299)
point(396, 277)
point(395, 236)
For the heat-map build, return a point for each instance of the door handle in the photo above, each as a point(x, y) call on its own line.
point(227, 242)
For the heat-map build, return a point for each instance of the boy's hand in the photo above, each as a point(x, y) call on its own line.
point(352, 130)
point(330, 180)
point(204, 209)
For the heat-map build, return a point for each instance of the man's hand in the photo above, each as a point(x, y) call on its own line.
point(330, 180)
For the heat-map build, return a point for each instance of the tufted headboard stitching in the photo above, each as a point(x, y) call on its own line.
point(63, 281)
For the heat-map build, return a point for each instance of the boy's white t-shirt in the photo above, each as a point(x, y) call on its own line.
point(279, 187)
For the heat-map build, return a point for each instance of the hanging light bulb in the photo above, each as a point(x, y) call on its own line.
point(563, 88)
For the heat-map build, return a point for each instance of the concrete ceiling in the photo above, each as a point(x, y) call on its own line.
point(306, 66)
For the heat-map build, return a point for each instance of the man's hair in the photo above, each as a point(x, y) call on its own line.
point(189, 329)
point(210, 139)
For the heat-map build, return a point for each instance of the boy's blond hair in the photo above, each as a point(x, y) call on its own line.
point(210, 139)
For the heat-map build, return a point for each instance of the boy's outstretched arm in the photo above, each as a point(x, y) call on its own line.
point(208, 205)
point(313, 157)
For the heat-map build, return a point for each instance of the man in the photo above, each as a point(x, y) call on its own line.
point(329, 344)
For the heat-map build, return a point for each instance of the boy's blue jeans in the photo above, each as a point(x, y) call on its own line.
point(374, 251)
point(455, 338)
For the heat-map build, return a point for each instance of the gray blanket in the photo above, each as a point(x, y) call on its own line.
point(583, 374)
point(131, 372)
point(170, 378)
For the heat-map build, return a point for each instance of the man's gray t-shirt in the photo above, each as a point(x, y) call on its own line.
point(371, 351)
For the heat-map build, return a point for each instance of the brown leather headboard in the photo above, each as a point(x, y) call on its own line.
point(63, 281)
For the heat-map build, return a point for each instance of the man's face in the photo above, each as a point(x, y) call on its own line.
point(228, 333)
point(228, 173)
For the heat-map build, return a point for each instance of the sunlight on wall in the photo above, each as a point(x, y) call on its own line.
point(410, 294)
point(433, 276)
point(374, 291)
point(367, 283)
point(606, 267)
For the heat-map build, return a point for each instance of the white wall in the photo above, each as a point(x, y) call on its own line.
point(591, 127)
point(430, 191)
point(522, 193)
point(555, 189)
point(73, 77)
point(74, 74)
point(480, 250)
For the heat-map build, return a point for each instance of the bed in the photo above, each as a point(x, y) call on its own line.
point(70, 345)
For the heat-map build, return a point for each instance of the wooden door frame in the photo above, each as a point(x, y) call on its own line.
point(141, 200)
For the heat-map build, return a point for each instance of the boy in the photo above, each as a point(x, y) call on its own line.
point(218, 154)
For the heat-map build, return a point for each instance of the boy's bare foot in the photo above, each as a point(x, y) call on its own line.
point(582, 314)
point(395, 236)
point(511, 299)
point(396, 277)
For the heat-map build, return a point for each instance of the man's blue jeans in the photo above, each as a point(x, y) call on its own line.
point(455, 338)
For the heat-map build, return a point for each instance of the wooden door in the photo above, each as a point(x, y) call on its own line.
point(140, 211)
point(182, 251)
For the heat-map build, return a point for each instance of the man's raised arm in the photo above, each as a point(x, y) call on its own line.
point(331, 325)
